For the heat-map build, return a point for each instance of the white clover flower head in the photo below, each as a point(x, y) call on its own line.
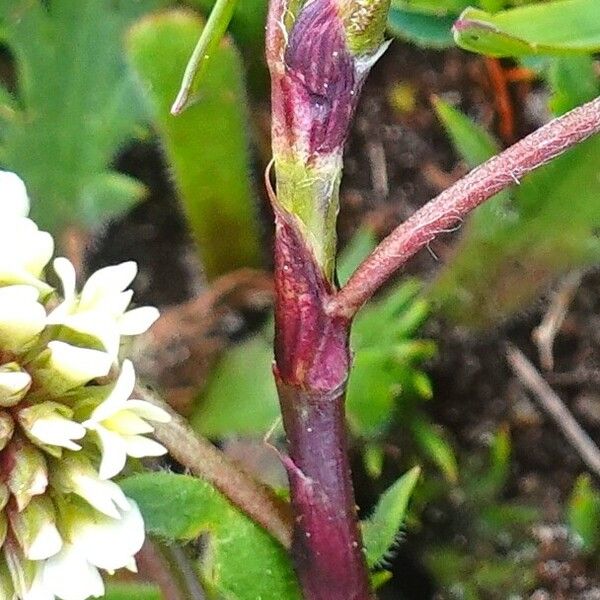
point(67, 423)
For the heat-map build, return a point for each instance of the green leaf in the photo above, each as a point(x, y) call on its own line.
point(207, 146)
point(432, 7)
point(384, 372)
point(583, 514)
point(78, 104)
point(558, 27)
point(240, 397)
point(500, 452)
point(243, 562)
point(132, 591)
point(207, 45)
point(381, 529)
point(247, 24)
point(108, 195)
point(435, 447)
point(360, 246)
point(573, 82)
point(474, 144)
point(425, 30)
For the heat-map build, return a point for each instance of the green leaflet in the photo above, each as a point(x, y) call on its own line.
point(435, 447)
point(381, 529)
point(75, 107)
point(207, 146)
point(558, 27)
point(243, 562)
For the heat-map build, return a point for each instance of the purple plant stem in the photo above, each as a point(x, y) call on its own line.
point(312, 362)
point(447, 210)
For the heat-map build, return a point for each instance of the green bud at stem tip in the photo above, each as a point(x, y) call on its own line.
point(364, 22)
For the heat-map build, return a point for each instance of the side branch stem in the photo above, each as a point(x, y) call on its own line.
point(447, 210)
point(205, 460)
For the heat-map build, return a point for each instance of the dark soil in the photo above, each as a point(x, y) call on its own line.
point(396, 161)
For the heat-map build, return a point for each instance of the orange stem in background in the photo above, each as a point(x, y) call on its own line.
point(502, 100)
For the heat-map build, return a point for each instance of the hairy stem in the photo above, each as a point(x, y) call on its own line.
point(205, 460)
point(447, 210)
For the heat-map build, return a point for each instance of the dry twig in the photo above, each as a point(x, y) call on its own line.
point(545, 333)
point(554, 407)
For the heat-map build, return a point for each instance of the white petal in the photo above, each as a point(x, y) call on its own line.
point(138, 320)
point(119, 395)
point(105, 496)
point(24, 250)
point(66, 273)
point(106, 282)
point(110, 543)
point(132, 566)
point(96, 324)
point(148, 411)
point(14, 200)
point(114, 453)
point(139, 446)
point(126, 422)
point(39, 252)
point(70, 576)
point(58, 431)
point(22, 317)
point(46, 543)
point(78, 365)
point(13, 386)
point(38, 591)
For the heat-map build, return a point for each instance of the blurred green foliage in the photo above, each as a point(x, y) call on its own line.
point(523, 239)
point(583, 515)
point(207, 145)
point(486, 551)
point(72, 108)
point(132, 591)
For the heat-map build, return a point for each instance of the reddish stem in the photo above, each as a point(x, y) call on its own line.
point(312, 364)
point(327, 545)
point(447, 210)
